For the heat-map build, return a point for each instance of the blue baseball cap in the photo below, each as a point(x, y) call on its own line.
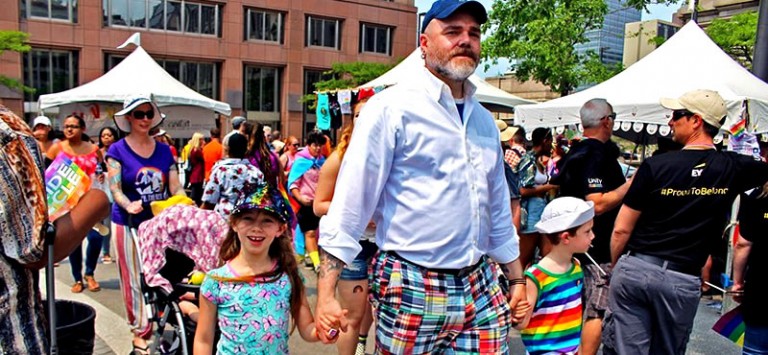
point(442, 9)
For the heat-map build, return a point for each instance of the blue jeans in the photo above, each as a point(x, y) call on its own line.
point(755, 340)
point(358, 270)
point(91, 256)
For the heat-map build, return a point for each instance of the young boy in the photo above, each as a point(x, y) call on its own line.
point(553, 325)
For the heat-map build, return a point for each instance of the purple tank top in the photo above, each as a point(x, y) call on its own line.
point(144, 179)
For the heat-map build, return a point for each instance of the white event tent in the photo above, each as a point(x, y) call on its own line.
point(493, 98)
point(186, 110)
point(689, 60)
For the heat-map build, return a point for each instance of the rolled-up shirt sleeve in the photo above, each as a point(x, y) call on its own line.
point(364, 172)
point(504, 245)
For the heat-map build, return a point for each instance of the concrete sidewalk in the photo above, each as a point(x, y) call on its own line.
point(114, 336)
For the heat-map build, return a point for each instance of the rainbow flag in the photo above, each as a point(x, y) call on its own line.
point(738, 128)
point(731, 326)
point(65, 184)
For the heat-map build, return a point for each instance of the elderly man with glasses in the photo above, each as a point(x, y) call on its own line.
point(591, 171)
point(672, 218)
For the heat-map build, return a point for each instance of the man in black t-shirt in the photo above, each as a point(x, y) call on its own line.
point(751, 257)
point(672, 218)
point(591, 171)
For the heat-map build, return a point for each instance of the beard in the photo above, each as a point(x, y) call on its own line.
point(457, 65)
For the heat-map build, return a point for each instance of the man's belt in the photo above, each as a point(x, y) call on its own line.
point(666, 264)
point(455, 272)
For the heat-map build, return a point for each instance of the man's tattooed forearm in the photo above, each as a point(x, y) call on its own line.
point(328, 263)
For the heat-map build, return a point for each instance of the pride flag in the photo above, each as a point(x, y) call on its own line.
point(740, 126)
point(65, 184)
point(731, 326)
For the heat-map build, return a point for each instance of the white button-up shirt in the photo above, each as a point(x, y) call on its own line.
point(434, 186)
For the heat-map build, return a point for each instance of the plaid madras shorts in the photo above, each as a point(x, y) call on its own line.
point(595, 290)
point(422, 311)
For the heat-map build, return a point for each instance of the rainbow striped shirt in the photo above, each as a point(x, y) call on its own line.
point(555, 326)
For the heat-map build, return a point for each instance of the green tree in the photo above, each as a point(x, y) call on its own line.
point(17, 42)
point(736, 36)
point(348, 75)
point(539, 37)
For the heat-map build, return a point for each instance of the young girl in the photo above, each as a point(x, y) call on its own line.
point(257, 293)
point(553, 325)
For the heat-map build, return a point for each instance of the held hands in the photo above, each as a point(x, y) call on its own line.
point(330, 319)
point(518, 303)
point(134, 207)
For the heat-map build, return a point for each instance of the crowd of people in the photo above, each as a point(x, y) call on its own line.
point(441, 249)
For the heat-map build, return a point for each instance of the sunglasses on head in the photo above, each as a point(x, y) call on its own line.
point(140, 115)
point(678, 114)
point(611, 115)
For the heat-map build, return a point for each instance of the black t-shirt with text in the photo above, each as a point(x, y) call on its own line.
point(684, 198)
point(753, 223)
point(591, 167)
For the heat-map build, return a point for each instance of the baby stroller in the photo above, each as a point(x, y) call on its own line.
point(171, 245)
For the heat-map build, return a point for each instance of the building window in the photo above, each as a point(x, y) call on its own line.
point(202, 77)
point(49, 71)
point(50, 9)
point(262, 89)
point(323, 32)
point(375, 39)
point(168, 15)
point(261, 25)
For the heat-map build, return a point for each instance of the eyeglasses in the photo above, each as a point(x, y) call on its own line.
point(678, 114)
point(611, 115)
point(71, 126)
point(140, 115)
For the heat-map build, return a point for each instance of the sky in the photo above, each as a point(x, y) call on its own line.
point(656, 11)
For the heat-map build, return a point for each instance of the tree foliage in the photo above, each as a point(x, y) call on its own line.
point(541, 35)
point(736, 36)
point(347, 76)
point(17, 42)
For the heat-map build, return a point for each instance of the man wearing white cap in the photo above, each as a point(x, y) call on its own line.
point(672, 218)
point(441, 213)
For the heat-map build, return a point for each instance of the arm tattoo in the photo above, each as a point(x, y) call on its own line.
point(328, 263)
point(114, 171)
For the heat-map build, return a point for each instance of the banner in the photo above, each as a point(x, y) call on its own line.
point(65, 184)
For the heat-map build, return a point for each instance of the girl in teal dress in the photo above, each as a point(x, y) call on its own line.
point(257, 298)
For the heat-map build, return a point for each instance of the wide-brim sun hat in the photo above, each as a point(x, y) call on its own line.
point(132, 102)
point(505, 132)
point(564, 213)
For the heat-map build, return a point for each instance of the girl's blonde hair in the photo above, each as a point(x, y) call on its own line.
point(346, 133)
point(280, 250)
point(196, 139)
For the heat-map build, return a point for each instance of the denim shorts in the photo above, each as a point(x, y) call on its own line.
point(358, 270)
point(533, 206)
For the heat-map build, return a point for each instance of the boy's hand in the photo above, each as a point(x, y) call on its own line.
point(518, 303)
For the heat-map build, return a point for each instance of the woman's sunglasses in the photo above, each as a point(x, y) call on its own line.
point(140, 115)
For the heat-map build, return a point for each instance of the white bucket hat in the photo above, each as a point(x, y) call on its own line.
point(564, 213)
point(130, 104)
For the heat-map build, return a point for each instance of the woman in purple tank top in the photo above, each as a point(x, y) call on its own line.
point(140, 171)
